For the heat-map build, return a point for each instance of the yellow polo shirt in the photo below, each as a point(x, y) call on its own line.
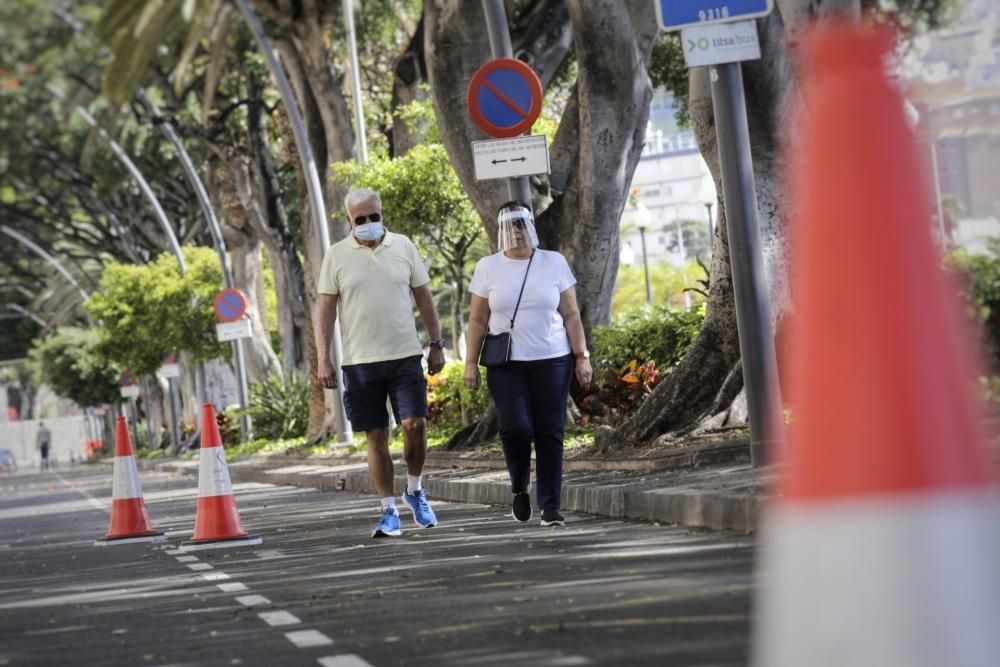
point(374, 298)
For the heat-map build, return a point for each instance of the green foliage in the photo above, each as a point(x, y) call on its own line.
point(72, 367)
point(135, 31)
point(419, 118)
point(667, 283)
point(421, 197)
point(447, 395)
point(660, 333)
point(981, 290)
point(280, 408)
point(668, 70)
point(147, 312)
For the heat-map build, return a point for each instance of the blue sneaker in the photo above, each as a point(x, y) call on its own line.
point(422, 512)
point(388, 525)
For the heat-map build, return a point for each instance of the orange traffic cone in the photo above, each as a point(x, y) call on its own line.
point(129, 520)
point(217, 523)
point(881, 549)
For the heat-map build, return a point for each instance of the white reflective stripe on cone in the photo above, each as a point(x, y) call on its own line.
point(896, 582)
point(213, 475)
point(126, 479)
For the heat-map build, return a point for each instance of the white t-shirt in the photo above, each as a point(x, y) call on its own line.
point(538, 328)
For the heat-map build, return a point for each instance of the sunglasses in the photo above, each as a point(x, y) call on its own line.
point(362, 219)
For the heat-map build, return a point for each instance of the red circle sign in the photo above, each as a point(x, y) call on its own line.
point(230, 304)
point(505, 97)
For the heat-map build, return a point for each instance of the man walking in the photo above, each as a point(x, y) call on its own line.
point(371, 276)
point(42, 441)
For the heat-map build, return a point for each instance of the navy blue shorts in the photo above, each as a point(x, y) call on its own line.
point(366, 387)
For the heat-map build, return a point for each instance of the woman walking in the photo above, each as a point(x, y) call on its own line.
point(524, 305)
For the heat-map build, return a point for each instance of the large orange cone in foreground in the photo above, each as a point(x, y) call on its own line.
point(129, 520)
point(882, 547)
point(217, 523)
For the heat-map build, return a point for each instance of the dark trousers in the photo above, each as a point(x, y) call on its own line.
point(531, 405)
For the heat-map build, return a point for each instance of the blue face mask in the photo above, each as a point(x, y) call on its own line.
point(370, 231)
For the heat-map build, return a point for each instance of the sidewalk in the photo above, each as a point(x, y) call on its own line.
point(708, 486)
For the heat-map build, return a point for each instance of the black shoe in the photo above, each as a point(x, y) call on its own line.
point(521, 508)
point(552, 517)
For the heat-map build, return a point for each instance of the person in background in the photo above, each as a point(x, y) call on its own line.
point(548, 347)
point(43, 439)
point(372, 275)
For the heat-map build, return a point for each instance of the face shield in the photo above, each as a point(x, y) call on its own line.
point(516, 229)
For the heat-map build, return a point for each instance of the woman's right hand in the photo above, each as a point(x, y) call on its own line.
point(472, 376)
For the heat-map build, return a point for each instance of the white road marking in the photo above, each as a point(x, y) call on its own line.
point(198, 567)
point(275, 618)
point(308, 638)
point(187, 559)
point(252, 600)
point(233, 587)
point(106, 508)
point(213, 576)
point(345, 660)
point(4, 547)
point(173, 552)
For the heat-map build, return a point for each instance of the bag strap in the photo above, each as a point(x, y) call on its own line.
point(522, 289)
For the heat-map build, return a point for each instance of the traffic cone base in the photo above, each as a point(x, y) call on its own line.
point(228, 543)
point(904, 562)
point(129, 520)
point(217, 522)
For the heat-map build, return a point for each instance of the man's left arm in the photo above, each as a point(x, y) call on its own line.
point(428, 313)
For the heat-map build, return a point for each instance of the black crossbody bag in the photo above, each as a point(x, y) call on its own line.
point(496, 347)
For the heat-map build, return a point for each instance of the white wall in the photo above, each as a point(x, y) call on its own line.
point(68, 437)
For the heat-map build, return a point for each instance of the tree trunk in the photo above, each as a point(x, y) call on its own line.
point(261, 360)
point(771, 93)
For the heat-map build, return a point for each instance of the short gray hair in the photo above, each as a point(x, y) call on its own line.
point(358, 195)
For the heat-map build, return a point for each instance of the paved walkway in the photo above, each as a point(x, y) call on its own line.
point(709, 487)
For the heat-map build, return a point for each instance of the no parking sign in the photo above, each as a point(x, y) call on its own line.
point(505, 97)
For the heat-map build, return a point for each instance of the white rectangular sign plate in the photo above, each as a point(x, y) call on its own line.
point(233, 330)
point(169, 371)
point(130, 391)
point(510, 158)
point(720, 43)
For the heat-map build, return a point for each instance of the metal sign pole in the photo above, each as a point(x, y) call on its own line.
point(760, 370)
point(500, 47)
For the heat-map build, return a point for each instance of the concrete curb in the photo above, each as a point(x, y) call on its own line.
point(716, 497)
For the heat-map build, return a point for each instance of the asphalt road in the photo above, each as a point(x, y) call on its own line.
point(478, 589)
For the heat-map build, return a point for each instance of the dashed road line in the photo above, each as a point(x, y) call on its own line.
point(278, 618)
point(308, 638)
point(213, 576)
point(187, 559)
point(345, 660)
point(232, 587)
point(200, 567)
point(252, 600)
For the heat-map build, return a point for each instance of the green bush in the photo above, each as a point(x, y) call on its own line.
point(280, 408)
point(447, 395)
point(659, 333)
point(980, 275)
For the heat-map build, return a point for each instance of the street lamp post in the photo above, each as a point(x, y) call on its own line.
point(644, 219)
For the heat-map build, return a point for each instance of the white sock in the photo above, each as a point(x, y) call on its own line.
point(389, 502)
point(413, 483)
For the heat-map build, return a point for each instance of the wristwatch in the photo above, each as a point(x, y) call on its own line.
point(582, 355)
point(437, 342)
